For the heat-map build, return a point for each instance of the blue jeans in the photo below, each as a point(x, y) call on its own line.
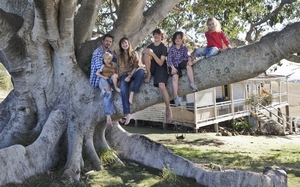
point(207, 52)
point(109, 107)
point(137, 77)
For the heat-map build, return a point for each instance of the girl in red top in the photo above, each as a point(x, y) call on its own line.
point(215, 38)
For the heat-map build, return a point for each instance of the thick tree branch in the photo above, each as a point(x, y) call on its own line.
point(46, 22)
point(129, 20)
point(85, 20)
point(116, 5)
point(294, 58)
point(15, 7)
point(66, 15)
point(152, 17)
point(265, 19)
point(11, 44)
point(28, 22)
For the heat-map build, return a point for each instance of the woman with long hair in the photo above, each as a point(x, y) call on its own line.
point(128, 71)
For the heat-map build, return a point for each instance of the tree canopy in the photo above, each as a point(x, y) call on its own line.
point(256, 17)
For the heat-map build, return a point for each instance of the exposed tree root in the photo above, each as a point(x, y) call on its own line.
point(101, 142)
point(141, 149)
point(92, 154)
point(18, 163)
point(75, 162)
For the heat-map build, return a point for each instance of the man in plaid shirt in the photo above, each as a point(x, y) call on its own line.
point(98, 65)
point(97, 61)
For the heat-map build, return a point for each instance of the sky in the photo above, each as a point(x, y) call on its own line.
point(287, 68)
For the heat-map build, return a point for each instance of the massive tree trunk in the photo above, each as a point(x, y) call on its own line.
point(53, 107)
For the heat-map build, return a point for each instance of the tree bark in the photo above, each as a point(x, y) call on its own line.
point(53, 107)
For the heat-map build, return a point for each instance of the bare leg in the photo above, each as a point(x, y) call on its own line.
point(128, 118)
point(165, 96)
point(190, 73)
point(131, 97)
point(115, 81)
point(108, 121)
point(146, 59)
point(175, 84)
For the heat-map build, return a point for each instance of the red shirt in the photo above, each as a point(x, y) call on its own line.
point(215, 39)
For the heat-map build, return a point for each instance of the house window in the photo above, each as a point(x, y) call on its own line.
point(226, 92)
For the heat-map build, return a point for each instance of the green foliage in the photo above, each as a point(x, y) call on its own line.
point(240, 124)
point(5, 81)
point(190, 16)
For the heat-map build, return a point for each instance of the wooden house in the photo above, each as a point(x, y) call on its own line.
point(223, 103)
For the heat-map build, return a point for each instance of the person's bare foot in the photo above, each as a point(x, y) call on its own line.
point(128, 118)
point(147, 79)
point(131, 97)
point(169, 115)
point(109, 121)
point(117, 89)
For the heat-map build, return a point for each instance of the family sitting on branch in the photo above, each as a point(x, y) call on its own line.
point(108, 69)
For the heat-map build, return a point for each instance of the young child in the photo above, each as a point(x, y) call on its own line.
point(215, 38)
point(179, 58)
point(107, 58)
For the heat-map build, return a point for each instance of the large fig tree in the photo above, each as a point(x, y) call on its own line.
point(53, 110)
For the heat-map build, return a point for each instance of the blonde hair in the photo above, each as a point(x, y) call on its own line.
point(217, 23)
point(107, 54)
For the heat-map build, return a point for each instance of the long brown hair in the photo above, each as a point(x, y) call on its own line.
point(131, 53)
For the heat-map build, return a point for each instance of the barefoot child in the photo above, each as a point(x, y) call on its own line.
point(107, 58)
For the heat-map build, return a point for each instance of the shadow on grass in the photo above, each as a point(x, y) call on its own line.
point(136, 175)
point(197, 142)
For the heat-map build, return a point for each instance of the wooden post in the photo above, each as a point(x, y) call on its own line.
point(279, 113)
point(288, 118)
point(216, 127)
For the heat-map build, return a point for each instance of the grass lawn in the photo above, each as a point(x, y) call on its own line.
point(251, 153)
